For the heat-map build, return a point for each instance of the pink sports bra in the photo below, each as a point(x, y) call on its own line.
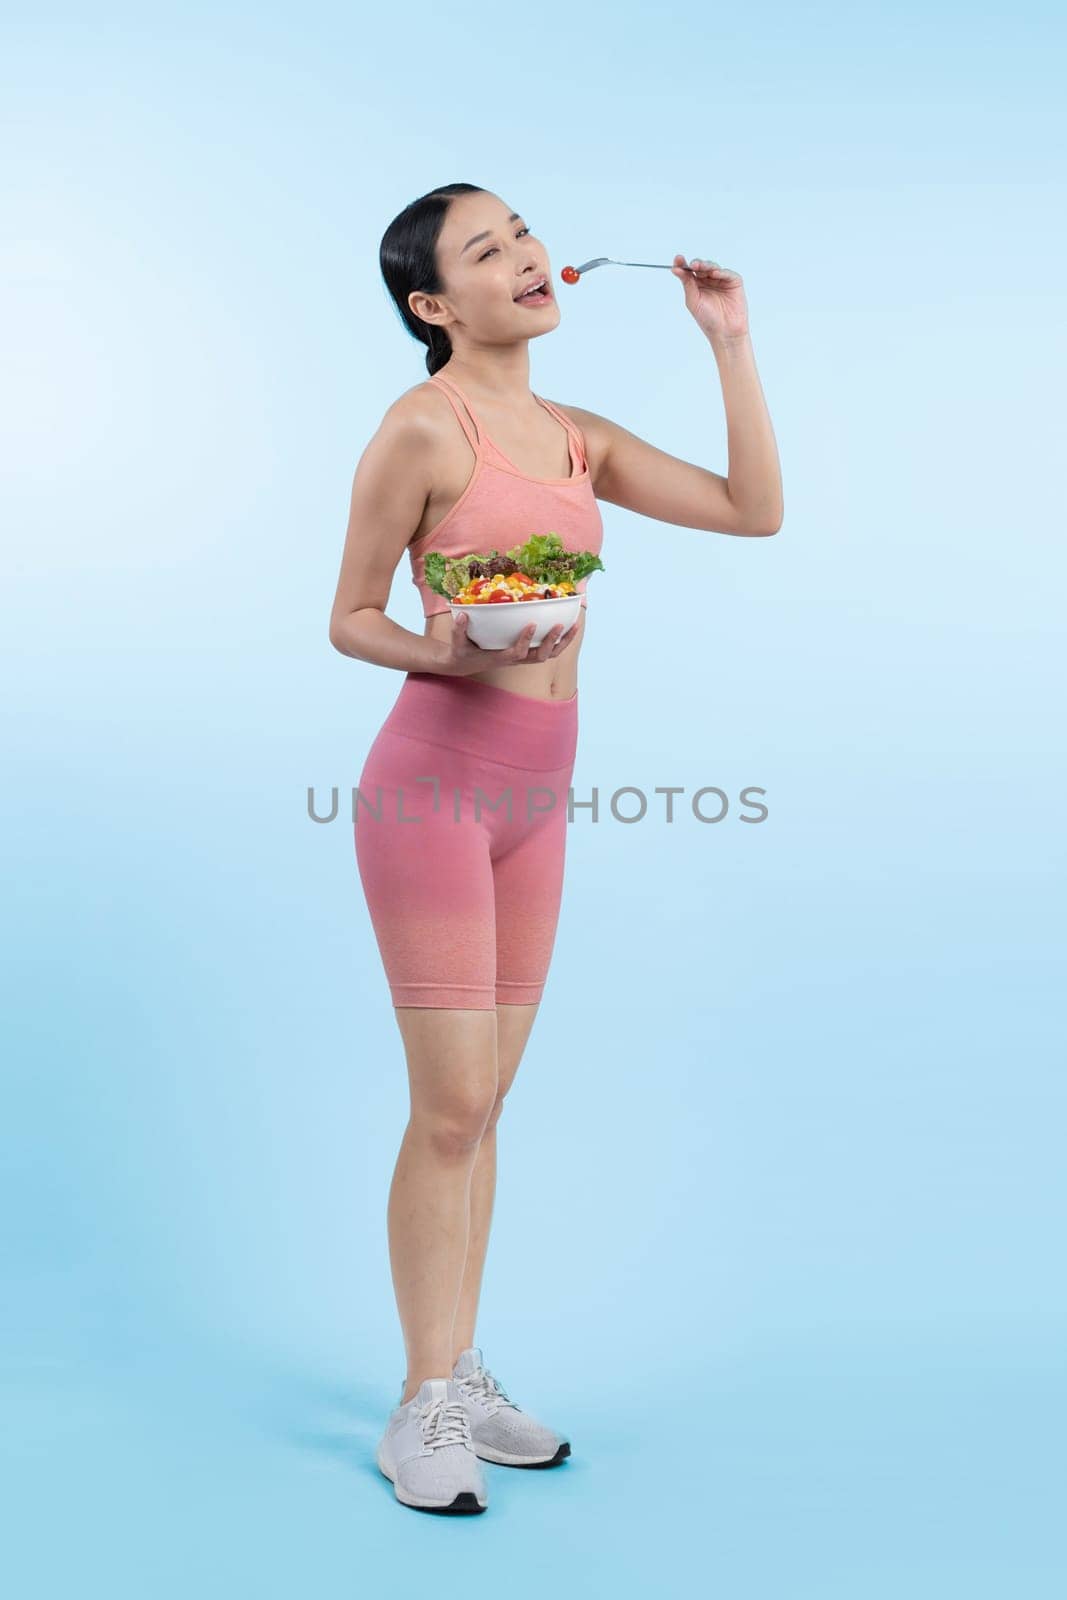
point(501, 507)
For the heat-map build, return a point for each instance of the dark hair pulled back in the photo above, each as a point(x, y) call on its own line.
point(408, 259)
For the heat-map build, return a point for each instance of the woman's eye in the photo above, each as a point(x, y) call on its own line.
point(493, 247)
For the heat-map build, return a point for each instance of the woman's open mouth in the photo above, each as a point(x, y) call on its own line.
point(541, 296)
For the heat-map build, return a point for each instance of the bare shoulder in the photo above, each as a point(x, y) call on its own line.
point(422, 416)
point(419, 410)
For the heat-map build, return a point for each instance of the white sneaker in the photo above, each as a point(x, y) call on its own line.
point(500, 1431)
point(426, 1452)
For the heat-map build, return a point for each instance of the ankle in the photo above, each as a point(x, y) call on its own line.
point(411, 1389)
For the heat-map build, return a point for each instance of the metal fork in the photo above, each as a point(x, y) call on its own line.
point(606, 261)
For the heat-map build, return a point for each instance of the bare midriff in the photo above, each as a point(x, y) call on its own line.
point(556, 678)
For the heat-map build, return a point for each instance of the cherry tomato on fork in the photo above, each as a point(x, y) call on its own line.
point(570, 275)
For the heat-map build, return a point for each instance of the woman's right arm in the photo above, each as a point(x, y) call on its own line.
point(389, 493)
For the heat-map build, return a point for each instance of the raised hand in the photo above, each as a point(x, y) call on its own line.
point(715, 296)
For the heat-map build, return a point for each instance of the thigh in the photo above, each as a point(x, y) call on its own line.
point(427, 878)
point(528, 890)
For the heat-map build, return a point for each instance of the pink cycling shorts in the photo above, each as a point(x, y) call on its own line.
point(460, 835)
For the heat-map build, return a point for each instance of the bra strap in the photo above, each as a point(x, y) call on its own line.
point(461, 406)
point(572, 428)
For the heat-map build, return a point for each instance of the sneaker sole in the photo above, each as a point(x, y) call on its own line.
point(485, 1452)
point(464, 1504)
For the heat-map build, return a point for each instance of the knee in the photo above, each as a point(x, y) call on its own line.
point(495, 1110)
point(456, 1130)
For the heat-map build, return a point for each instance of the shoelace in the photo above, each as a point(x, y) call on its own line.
point(444, 1422)
point(481, 1385)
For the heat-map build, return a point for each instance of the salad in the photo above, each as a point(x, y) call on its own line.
point(540, 569)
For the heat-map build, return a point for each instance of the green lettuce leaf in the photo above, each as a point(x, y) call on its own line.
point(544, 559)
point(446, 575)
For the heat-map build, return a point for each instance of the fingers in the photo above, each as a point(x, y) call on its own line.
point(560, 641)
point(524, 650)
point(549, 644)
point(520, 650)
point(554, 642)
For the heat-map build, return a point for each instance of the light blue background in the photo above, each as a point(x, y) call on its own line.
point(781, 1174)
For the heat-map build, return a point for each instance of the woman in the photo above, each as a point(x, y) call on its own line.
point(464, 896)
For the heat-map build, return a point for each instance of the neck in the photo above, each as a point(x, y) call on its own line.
point(497, 377)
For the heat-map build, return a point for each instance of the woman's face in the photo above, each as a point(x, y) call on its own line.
point(486, 257)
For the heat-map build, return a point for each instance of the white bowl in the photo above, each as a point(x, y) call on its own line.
point(497, 624)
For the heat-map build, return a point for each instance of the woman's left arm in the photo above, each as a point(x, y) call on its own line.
point(630, 472)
